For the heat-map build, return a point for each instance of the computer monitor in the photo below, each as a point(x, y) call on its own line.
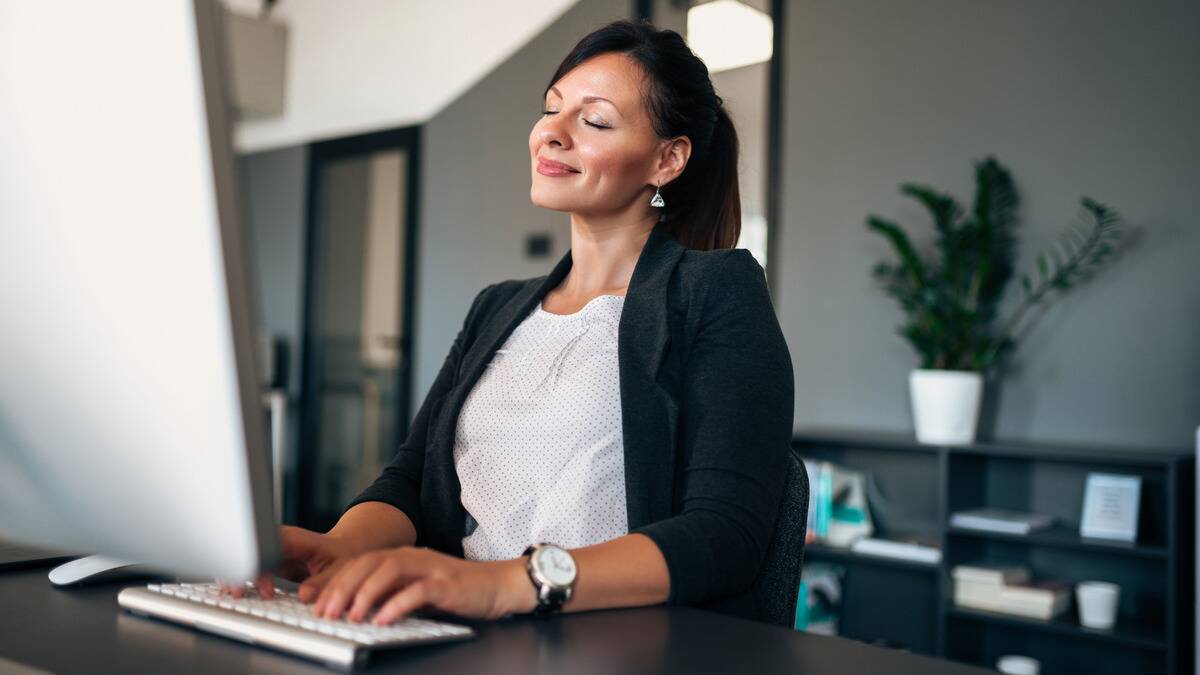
point(129, 411)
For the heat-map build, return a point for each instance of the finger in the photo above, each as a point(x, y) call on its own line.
point(266, 587)
point(387, 578)
point(311, 588)
point(414, 596)
point(343, 585)
point(230, 588)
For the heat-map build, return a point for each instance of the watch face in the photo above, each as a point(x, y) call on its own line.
point(556, 566)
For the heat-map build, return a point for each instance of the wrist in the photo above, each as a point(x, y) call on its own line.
point(517, 591)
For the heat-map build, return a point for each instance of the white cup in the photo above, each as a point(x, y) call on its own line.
point(1015, 664)
point(1097, 602)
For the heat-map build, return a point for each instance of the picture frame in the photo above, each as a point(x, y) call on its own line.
point(1110, 507)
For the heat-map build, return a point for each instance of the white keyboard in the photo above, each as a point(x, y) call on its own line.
point(282, 622)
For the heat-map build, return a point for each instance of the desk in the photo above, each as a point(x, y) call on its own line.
point(82, 630)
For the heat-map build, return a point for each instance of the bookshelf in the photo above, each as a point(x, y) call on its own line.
point(909, 605)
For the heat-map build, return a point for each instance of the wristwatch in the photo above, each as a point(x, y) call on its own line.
point(552, 571)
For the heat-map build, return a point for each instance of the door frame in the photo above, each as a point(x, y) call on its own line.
point(320, 155)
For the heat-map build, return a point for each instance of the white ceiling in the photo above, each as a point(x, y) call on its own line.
point(362, 65)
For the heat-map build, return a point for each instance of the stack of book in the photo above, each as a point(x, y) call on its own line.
point(1000, 520)
point(1009, 590)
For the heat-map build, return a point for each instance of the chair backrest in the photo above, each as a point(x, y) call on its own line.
point(778, 582)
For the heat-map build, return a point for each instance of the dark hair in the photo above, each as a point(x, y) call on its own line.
point(703, 207)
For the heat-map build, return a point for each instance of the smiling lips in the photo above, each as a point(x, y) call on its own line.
point(549, 167)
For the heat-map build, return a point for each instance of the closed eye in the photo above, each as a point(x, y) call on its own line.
point(590, 124)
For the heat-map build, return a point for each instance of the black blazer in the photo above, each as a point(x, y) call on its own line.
point(706, 402)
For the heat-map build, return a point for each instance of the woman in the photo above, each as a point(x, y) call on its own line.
point(633, 408)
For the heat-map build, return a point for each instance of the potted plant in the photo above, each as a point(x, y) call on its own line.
point(951, 294)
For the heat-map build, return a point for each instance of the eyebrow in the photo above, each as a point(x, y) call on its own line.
point(588, 99)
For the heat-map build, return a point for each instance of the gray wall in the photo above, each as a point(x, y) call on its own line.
point(475, 175)
point(1074, 96)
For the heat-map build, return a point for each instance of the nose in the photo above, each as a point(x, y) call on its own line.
point(553, 132)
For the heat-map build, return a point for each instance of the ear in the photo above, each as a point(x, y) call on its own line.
point(672, 159)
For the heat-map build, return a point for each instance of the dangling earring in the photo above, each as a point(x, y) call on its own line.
point(657, 199)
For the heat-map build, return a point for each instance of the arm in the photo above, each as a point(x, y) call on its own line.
point(628, 571)
point(736, 427)
point(367, 526)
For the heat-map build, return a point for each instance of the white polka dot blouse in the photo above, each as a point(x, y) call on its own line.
point(538, 446)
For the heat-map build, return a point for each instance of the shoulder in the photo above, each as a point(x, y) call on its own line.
point(721, 263)
point(722, 275)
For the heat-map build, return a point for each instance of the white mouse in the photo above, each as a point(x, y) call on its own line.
point(95, 568)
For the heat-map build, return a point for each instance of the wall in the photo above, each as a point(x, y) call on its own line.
point(349, 63)
point(1075, 97)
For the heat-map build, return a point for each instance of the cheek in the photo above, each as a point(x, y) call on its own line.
point(614, 163)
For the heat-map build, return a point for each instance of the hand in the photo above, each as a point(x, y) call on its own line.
point(305, 553)
point(403, 579)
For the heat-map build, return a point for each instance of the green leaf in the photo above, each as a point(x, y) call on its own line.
point(944, 208)
point(899, 240)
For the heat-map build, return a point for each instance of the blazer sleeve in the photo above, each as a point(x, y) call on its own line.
point(400, 482)
point(735, 434)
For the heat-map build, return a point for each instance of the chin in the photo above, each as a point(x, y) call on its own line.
point(553, 202)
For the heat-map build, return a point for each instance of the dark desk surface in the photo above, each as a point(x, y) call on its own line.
point(82, 630)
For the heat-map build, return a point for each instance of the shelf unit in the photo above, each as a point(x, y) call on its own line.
point(909, 605)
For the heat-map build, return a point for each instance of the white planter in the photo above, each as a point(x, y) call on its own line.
point(945, 405)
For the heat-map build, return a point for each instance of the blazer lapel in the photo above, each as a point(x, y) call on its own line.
point(649, 414)
point(642, 339)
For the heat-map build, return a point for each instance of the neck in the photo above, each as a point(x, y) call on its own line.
point(604, 251)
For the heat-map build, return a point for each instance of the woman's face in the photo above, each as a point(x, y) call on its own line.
point(597, 125)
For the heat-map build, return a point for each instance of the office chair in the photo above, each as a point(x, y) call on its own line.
point(778, 582)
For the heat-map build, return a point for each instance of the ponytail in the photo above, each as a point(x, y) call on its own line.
point(704, 206)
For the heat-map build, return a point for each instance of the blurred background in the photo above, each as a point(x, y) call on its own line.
point(384, 166)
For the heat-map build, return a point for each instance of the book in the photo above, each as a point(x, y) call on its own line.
point(911, 548)
point(1000, 520)
point(837, 507)
point(996, 575)
point(1036, 599)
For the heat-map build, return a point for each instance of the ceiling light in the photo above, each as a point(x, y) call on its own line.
point(727, 34)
